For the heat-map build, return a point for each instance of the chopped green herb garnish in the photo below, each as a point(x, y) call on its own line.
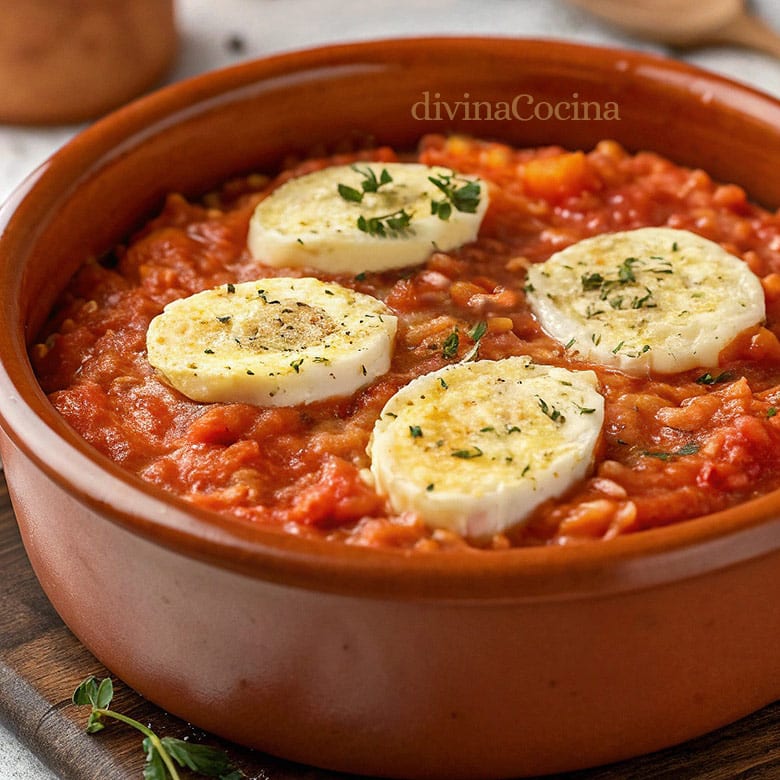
point(463, 197)
point(551, 412)
point(231, 288)
point(645, 301)
point(592, 281)
point(350, 193)
point(479, 330)
point(709, 379)
point(592, 312)
point(296, 365)
point(390, 225)
point(450, 348)
point(658, 455)
point(771, 411)
point(370, 183)
point(687, 449)
point(415, 431)
point(626, 270)
point(474, 452)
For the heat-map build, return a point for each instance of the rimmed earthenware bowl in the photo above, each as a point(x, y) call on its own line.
point(464, 665)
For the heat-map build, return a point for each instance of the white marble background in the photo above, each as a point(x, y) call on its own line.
point(272, 26)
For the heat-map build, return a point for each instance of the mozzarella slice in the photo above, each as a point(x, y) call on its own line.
point(652, 299)
point(308, 223)
point(272, 342)
point(476, 447)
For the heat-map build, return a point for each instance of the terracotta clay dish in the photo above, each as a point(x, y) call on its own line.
point(526, 655)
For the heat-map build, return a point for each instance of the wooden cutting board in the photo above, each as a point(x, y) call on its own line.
point(41, 663)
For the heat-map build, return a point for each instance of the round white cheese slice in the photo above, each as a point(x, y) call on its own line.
point(272, 342)
point(366, 217)
point(652, 299)
point(476, 447)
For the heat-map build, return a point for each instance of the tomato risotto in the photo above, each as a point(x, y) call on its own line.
point(673, 446)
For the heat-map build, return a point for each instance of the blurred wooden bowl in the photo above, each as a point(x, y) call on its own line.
point(68, 62)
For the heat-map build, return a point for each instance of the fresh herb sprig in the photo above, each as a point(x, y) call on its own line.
point(394, 224)
point(370, 183)
point(461, 194)
point(626, 275)
point(163, 754)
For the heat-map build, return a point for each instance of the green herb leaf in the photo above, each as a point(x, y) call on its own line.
point(370, 183)
point(592, 281)
point(626, 270)
point(105, 693)
point(86, 693)
point(771, 411)
point(687, 449)
point(551, 412)
point(477, 332)
point(480, 329)
point(709, 379)
point(155, 766)
point(658, 455)
point(450, 348)
point(350, 193)
point(415, 431)
point(474, 452)
point(392, 225)
point(203, 759)
point(464, 197)
point(441, 209)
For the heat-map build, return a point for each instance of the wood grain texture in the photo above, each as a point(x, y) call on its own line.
point(41, 663)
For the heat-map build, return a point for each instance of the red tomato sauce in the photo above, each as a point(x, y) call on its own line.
point(673, 447)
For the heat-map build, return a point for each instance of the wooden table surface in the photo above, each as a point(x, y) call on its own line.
point(41, 663)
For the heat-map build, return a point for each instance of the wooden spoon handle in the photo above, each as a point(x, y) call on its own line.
point(751, 32)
